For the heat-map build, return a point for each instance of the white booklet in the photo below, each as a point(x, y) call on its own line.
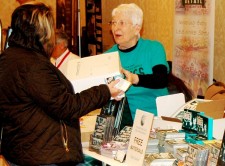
point(86, 72)
point(123, 84)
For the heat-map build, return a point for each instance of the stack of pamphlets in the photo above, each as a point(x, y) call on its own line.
point(214, 147)
point(197, 155)
point(115, 108)
point(173, 144)
point(103, 131)
point(107, 124)
point(168, 134)
point(152, 146)
point(124, 135)
point(119, 143)
point(110, 149)
point(181, 153)
point(159, 159)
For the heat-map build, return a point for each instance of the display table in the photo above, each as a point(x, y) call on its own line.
point(105, 160)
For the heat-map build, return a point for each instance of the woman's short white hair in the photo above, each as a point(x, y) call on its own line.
point(131, 10)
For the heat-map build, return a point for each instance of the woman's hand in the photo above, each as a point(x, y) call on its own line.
point(133, 78)
point(115, 92)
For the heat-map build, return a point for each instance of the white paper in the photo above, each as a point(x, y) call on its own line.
point(169, 104)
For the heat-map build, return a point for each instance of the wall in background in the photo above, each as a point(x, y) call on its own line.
point(219, 45)
point(7, 8)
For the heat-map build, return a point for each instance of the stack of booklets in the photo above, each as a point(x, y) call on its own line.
point(173, 144)
point(107, 124)
point(119, 143)
point(110, 149)
point(159, 159)
point(124, 135)
point(115, 108)
point(181, 154)
point(152, 146)
point(197, 155)
point(103, 131)
point(168, 134)
point(214, 151)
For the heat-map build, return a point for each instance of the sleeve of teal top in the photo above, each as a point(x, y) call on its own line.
point(160, 55)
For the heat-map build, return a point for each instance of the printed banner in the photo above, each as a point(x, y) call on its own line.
point(193, 47)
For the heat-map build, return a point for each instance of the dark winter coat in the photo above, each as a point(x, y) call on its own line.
point(41, 110)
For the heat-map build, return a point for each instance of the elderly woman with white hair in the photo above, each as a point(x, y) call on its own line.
point(143, 60)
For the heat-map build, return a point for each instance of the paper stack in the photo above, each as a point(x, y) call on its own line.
point(173, 144)
point(181, 153)
point(110, 149)
point(169, 134)
point(197, 155)
point(152, 146)
point(159, 159)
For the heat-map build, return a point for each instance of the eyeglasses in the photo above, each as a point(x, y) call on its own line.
point(120, 23)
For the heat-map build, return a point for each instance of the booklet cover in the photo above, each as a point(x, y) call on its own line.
point(189, 121)
point(94, 70)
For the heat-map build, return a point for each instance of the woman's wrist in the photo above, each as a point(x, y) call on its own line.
point(135, 79)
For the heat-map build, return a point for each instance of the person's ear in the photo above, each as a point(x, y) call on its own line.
point(137, 29)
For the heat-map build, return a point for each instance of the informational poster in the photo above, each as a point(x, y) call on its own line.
point(139, 138)
point(193, 47)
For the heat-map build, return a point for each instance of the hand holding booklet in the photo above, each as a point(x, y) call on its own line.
point(123, 84)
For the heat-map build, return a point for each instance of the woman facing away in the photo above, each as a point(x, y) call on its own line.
point(39, 110)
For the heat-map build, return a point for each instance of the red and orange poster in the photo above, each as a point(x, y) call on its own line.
point(193, 45)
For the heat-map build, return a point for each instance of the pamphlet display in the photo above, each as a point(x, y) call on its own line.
point(211, 108)
point(197, 126)
point(191, 105)
point(107, 124)
point(189, 121)
point(117, 148)
point(115, 108)
point(141, 145)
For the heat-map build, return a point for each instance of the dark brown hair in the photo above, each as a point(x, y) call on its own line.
point(33, 28)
